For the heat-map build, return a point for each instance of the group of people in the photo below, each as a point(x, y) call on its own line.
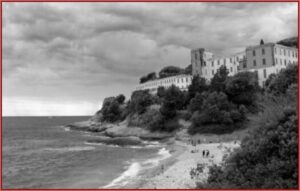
point(205, 153)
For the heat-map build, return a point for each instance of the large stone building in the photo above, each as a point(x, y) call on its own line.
point(181, 81)
point(268, 59)
point(264, 59)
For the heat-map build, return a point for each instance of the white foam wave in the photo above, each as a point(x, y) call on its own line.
point(67, 149)
point(163, 154)
point(101, 144)
point(122, 180)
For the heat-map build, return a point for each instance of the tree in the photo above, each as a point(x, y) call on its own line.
point(218, 81)
point(173, 100)
point(120, 98)
point(139, 101)
point(188, 69)
point(198, 85)
point(196, 103)
point(170, 71)
point(242, 88)
point(267, 159)
point(148, 77)
point(111, 111)
point(283, 80)
point(161, 91)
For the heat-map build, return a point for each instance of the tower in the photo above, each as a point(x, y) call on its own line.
point(197, 61)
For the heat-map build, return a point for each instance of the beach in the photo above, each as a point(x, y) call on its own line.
point(174, 173)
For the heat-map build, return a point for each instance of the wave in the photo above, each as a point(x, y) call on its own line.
point(68, 149)
point(122, 180)
point(163, 154)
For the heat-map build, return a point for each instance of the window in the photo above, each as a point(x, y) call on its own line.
point(289, 53)
point(237, 58)
point(276, 61)
point(284, 52)
point(182, 80)
point(245, 65)
point(265, 73)
point(212, 64)
point(213, 72)
point(281, 62)
point(187, 80)
point(275, 50)
point(218, 62)
point(231, 69)
point(285, 62)
point(263, 51)
point(254, 62)
point(224, 60)
point(253, 52)
point(264, 61)
point(230, 60)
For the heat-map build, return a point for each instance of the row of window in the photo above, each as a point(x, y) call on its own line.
point(186, 79)
point(213, 71)
point(231, 60)
point(286, 52)
point(262, 52)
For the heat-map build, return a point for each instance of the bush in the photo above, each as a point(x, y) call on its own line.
point(242, 88)
point(196, 103)
point(172, 101)
point(198, 85)
point(267, 159)
point(140, 100)
point(283, 80)
point(219, 115)
point(111, 111)
point(218, 81)
point(120, 98)
point(170, 71)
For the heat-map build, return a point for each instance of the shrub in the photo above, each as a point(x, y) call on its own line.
point(120, 98)
point(198, 85)
point(111, 111)
point(218, 81)
point(139, 102)
point(283, 80)
point(196, 103)
point(242, 88)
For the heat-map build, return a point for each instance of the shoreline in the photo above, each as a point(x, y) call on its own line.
point(176, 173)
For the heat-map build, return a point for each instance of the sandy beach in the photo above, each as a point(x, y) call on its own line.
point(175, 172)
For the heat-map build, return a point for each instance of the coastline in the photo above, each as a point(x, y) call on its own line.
point(176, 174)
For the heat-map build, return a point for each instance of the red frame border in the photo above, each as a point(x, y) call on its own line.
point(166, 1)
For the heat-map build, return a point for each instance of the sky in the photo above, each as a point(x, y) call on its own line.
point(65, 58)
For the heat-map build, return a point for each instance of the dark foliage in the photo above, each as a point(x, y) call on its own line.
point(148, 77)
point(267, 159)
point(198, 85)
point(218, 81)
point(170, 71)
point(139, 102)
point(283, 80)
point(291, 42)
point(242, 88)
point(111, 111)
point(161, 91)
point(120, 98)
point(173, 100)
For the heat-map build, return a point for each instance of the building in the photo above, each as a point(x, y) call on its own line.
point(181, 81)
point(264, 59)
point(206, 65)
point(269, 58)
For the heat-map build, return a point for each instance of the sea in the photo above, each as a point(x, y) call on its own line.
point(40, 152)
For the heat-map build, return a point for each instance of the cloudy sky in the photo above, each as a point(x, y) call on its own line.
point(65, 58)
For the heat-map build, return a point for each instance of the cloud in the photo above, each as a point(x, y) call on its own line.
point(86, 51)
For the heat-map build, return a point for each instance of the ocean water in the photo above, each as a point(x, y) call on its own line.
point(38, 152)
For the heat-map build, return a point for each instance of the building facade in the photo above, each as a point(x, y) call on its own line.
point(181, 81)
point(264, 59)
point(267, 59)
point(206, 65)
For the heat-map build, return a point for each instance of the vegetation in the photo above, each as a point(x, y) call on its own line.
point(268, 156)
point(170, 71)
point(291, 42)
point(148, 77)
point(218, 82)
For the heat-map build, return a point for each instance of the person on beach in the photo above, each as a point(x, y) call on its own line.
point(207, 153)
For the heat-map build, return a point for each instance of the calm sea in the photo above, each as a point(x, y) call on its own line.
point(38, 152)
